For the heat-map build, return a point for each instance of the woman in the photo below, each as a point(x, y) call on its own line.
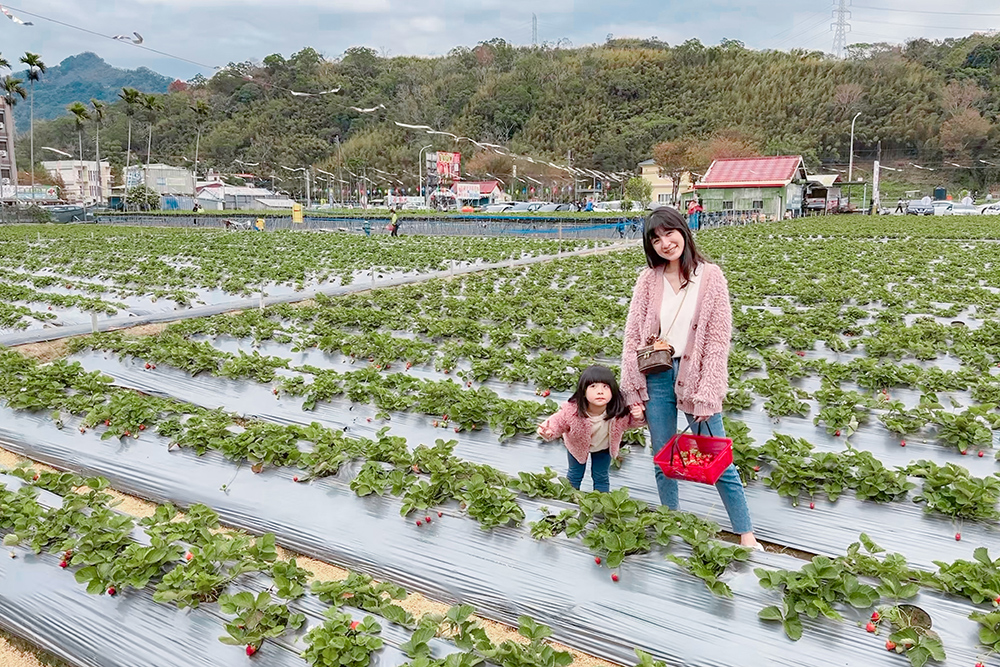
point(683, 299)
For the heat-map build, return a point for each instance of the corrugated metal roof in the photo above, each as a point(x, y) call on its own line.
point(773, 171)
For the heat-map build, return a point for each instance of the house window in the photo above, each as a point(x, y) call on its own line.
point(663, 198)
point(758, 203)
point(727, 206)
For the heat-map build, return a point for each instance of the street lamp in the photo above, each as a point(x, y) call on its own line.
point(421, 168)
point(850, 164)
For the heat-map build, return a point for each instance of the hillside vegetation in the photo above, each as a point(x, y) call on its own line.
point(932, 103)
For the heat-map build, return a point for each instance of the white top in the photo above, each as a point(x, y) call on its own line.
point(599, 433)
point(681, 306)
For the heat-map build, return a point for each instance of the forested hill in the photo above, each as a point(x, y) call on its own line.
point(78, 79)
point(932, 102)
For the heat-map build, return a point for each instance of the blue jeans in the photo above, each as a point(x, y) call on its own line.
point(661, 415)
point(600, 463)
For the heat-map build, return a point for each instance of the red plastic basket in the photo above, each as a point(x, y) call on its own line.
point(670, 461)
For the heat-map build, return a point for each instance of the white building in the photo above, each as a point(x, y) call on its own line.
point(163, 179)
point(6, 151)
point(84, 183)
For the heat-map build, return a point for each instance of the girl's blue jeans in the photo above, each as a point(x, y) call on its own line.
point(661, 415)
point(600, 463)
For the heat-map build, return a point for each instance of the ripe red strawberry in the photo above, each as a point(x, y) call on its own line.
point(188, 556)
point(250, 650)
point(444, 417)
point(614, 577)
point(354, 625)
point(111, 590)
point(756, 468)
point(902, 443)
point(837, 434)
point(274, 391)
point(963, 452)
point(958, 537)
point(148, 366)
point(408, 365)
point(870, 627)
point(107, 422)
point(545, 393)
point(142, 427)
point(63, 564)
point(153, 366)
point(801, 353)
point(875, 616)
point(419, 522)
point(35, 478)
point(295, 479)
point(597, 560)
point(127, 433)
point(979, 664)
point(427, 518)
point(457, 429)
point(812, 506)
point(980, 453)
point(890, 645)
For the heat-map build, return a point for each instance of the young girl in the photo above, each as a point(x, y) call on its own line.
point(684, 299)
point(591, 423)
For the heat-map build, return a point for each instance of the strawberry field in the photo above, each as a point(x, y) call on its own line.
point(391, 432)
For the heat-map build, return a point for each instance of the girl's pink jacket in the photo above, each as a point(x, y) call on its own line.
point(703, 378)
point(575, 430)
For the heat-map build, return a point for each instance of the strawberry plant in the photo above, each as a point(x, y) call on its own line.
point(813, 590)
point(709, 560)
point(989, 629)
point(952, 491)
point(360, 591)
point(912, 638)
point(256, 619)
point(490, 505)
point(546, 484)
point(339, 642)
point(978, 579)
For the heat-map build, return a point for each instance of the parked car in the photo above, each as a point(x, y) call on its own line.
point(943, 207)
point(614, 205)
point(550, 208)
point(990, 209)
point(918, 207)
point(523, 207)
point(499, 207)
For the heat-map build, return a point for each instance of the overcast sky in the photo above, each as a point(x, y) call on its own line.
point(215, 32)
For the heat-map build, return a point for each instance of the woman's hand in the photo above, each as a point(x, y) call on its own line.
point(636, 410)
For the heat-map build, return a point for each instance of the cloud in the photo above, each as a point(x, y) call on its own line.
point(216, 32)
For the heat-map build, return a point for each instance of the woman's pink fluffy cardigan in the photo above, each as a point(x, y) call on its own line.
point(704, 375)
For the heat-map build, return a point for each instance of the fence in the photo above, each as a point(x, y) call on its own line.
point(526, 227)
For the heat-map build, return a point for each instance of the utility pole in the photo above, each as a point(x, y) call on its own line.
point(841, 27)
point(534, 29)
point(569, 162)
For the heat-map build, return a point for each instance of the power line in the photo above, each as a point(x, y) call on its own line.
point(841, 28)
point(922, 11)
point(916, 25)
point(802, 32)
point(98, 34)
point(771, 39)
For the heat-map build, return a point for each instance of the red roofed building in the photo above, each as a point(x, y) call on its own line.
point(478, 192)
point(770, 185)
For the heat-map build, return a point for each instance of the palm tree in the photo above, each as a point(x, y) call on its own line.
point(11, 89)
point(5, 63)
point(81, 116)
point(201, 111)
point(98, 116)
point(36, 68)
point(151, 103)
point(132, 98)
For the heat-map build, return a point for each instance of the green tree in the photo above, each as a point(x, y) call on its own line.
point(151, 104)
point(143, 198)
point(132, 99)
point(12, 89)
point(80, 118)
point(640, 190)
point(35, 70)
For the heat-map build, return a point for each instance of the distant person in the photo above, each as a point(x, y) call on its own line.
point(393, 222)
point(590, 206)
point(367, 227)
point(900, 208)
point(621, 229)
point(694, 214)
